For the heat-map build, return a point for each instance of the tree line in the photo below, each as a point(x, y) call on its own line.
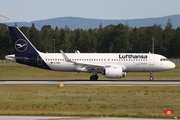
point(109, 39)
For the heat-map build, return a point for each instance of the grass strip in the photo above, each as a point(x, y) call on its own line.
point(91, 100)
point(16, 71)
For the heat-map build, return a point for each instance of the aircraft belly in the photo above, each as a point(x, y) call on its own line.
point(137, 68)
point(148, 68)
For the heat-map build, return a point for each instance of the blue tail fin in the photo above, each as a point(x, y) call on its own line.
point(25, 52)
point(21, 44)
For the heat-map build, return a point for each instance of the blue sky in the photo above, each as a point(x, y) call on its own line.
point(29, 10)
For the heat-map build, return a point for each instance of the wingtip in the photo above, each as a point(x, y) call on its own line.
point(61, 51)
point(65, 57)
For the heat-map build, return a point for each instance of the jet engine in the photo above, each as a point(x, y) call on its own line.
point(114, 72)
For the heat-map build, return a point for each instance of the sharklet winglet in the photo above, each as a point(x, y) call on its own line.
point(65, 57)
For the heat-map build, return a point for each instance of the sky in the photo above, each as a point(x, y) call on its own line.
point(30, 10)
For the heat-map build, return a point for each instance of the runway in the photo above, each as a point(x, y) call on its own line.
point(87, 82)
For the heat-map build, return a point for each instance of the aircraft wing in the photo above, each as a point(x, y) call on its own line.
point(88, 65)
point(85, 64)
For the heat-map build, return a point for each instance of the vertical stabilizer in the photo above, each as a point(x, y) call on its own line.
point(20, 43)
point(25, 52)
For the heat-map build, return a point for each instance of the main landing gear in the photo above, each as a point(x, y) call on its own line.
point(151, 76)
point(94, 77)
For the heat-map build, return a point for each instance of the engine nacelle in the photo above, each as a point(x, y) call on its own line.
point(114, 72)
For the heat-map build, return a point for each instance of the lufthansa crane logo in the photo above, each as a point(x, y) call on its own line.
point(21, 45)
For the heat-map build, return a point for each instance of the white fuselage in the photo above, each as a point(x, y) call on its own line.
point(129, 61)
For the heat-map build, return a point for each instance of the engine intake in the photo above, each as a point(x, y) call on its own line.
point(114, 72)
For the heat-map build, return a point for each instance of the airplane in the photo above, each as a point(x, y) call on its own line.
point(111, 65)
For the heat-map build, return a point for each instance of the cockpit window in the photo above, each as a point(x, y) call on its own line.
point(164, 59)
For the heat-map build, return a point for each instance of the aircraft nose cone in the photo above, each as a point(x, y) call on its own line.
point(172, 65)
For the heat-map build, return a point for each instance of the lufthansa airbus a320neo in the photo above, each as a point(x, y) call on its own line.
point(111, 65)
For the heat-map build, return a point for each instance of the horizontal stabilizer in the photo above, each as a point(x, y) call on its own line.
point(13, 58)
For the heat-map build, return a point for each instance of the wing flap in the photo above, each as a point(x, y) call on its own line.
point(86, 64)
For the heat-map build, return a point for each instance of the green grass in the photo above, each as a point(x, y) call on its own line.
point(126, 101)
point(21, 72)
